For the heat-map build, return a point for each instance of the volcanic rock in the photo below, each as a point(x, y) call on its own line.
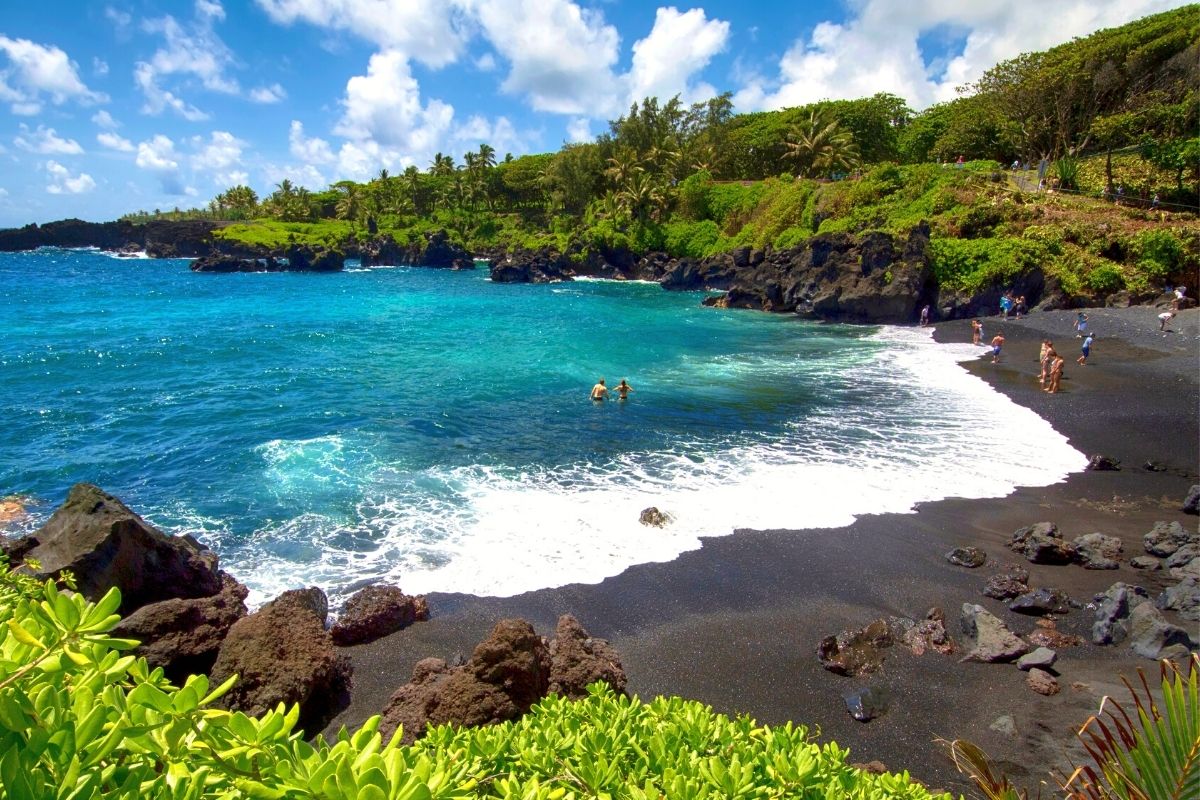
point(970, 557)
point(374, 612)
point(1042, 544)
point(1191, 503)
point(225, 264)
point(183, 635)
point(987, 638)
point(1010, 583)
point(855, 652)
point(283, 654)
point(1112, 612)
point(1151, 636)
point(104, 545)
point(929, 634)
point(1042, 657)
point(1100, 463)
point(1167, 537)
point(1148, 563)
point(1046, 634)
point(1041, 601)
point(868, 703)
point(1042, 682)
point(532, 266)
point(653, 517)
point(1098, 551)
point(1184, 597)
point(577, 660)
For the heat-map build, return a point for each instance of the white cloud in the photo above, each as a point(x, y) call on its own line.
point(221, 151)
point(678, 46)
point(430, 31)
point(46, 141)
point(234, 178)
point(485, 63)
point(99, 66)
point(35, 70)
point(384, 108)
point(115, 142)
point(561, 55)
point(877, 48)
point(579, 129)
point(500, 134)
point(305, 175)
point(157, 154)
point(191, 50)
point(63, 182)
point(309, 151)
point(120, 19)
point(268, 94)
point(105, 120)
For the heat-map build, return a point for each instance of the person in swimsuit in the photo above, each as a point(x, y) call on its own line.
point(623, 390)
point(1056, 373)
point(976, 331)
point(997, 343)
point(600, 391)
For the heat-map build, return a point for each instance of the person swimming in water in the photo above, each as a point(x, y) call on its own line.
point(600, 391)
point(623, 389)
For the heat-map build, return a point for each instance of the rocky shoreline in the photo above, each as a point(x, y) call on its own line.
point(868, 278)
point(1001, 621)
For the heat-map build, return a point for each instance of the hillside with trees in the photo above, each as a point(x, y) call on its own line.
point(1102, 132)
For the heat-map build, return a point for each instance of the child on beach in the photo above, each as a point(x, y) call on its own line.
point(1164, 318)
point(1086, 348)
point(1081, 320)
point(997, 343)
point(976, 331)
point(924, 316)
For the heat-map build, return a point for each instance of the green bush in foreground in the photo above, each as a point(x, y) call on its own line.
point(79, 720)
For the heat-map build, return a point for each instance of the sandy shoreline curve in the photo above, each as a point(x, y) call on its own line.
point(736, 623)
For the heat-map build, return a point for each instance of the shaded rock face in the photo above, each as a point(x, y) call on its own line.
point(1006, 585)
point(1151, 636)
point(1040, 602)
point(532, 266)
point(1191, 503)
point(1113, 608)
point(283, 654)
point(1184, 598)
point(104, 544)
point(159, 238)
point(1102, 463)
point(867, 278)
point(225, 264)
point(377, 611)
point(576, 660)
point(183, 635)
point(508, 672)
point(987, 638)
point(1042, 544)
point(437, 250)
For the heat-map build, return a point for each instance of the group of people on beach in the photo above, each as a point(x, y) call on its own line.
point(600, 391)
point(1012, 304)
point(1052, 365)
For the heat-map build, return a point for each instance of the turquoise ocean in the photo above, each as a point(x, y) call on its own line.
point(433, 429)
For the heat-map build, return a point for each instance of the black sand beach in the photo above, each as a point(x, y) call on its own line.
point(736, 623)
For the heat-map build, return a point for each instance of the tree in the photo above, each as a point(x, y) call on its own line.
point(442, 165)
point(821, 146)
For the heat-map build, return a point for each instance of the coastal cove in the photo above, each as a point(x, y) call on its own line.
point(407, 422)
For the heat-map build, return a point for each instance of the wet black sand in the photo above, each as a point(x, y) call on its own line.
point(736, 623)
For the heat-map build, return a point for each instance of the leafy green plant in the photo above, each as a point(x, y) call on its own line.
point(1153, 755)
point(1067, 170)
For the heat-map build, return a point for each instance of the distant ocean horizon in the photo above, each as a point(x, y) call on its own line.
point(432, 429)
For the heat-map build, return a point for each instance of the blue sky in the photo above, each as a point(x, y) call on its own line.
point(111, 106)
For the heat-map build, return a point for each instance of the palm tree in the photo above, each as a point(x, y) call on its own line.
point(821, 146)
point(442, 165)
point(622, 167)
point(642, 197)
point(487, 156)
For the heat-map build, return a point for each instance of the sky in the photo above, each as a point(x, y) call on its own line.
point(112, 106)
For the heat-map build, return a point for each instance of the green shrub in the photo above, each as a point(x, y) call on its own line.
point(693, 196)
point(80, 720)
point(1159, 254)
point(694, 239)
point(1106, 279)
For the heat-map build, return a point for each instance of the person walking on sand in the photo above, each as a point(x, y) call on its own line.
point(1086, 348)
point(997, 343)
point(924, 316)
point(1164, 318)
point(599, 391)
point(623, 390)
point(1056, 373)
point(1081, 320)
point(976, 331)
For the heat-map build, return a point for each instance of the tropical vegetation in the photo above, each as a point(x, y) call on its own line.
point(1027, 166)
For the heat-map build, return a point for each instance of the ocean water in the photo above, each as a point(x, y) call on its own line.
point(433, 429)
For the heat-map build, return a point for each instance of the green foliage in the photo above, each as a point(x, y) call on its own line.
point(972, 264)
point(80, 720)
point(278, 235)
point(1106, 279)
point(694, 239)
point(1067, 170)
point(1159, 254)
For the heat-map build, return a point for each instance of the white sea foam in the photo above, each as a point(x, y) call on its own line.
point(493, 532)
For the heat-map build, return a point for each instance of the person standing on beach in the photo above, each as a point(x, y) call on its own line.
point(1005, 305)
point(925, 316)
point(997, 343)
point(1056, 373)
point(1086, 348)
point(976, 331)
point(623, 390)
point(1081, 320)
point(1045, 357)
point(1164, 318)
point(599, 391)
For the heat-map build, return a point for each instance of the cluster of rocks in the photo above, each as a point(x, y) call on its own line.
point(1124, 614)
point(190, 618)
